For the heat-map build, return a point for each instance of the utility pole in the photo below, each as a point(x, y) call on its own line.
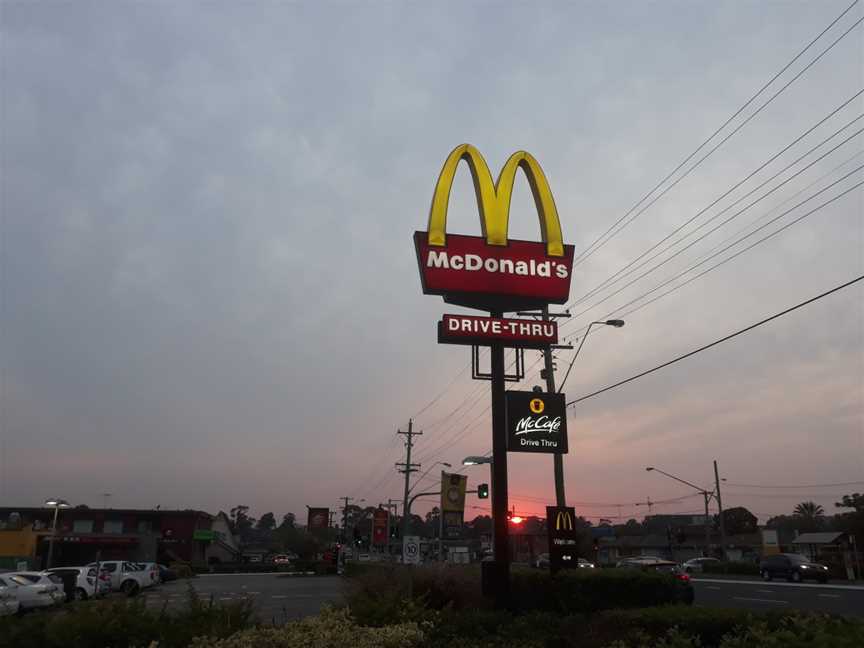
point(557, 457)
point(345, 518)
point(647, 503)
point(407, 468)
point(707, 497)
point(720, 510)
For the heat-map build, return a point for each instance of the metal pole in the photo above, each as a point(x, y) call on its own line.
point(441, 524)
point(720, 510)
point(557, 457)
point(706, 495)
point(499, 477)
point(53, 534)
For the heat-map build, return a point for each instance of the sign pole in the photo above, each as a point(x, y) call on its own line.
point(501, 579)
point(557, 458)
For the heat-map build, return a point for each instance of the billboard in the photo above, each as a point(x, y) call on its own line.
point(536, 422)
point(380, 522)
point(492, 272)
point(563, 538)
point(478, 330)
point(318, 520)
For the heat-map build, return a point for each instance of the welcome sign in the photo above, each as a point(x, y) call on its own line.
point(536, 422)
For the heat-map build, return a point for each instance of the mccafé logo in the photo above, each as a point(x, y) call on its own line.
point(563, 521)
point(492, 272)
point(545, 424)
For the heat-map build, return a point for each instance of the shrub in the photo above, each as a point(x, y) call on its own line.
point(121, 623)
point(183, 570)
point(331, 629)
point(740, 568)
point(585, 591)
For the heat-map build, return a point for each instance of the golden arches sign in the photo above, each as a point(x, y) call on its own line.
point(493, 199)
point(563, 521)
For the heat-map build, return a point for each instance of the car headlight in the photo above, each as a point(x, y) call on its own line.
point(804, 567)
point(824, 567)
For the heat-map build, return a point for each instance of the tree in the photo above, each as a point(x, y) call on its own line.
point(739, 520)
point(267, 522)
point(810, 515)
point(853, 521)
point(288, 521)
point(241, 523)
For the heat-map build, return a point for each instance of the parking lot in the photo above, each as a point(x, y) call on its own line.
point(277, 598)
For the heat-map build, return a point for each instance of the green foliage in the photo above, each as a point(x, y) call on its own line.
point(741, 568)
point(331, 629)
point(739, 520)
point(183, 570)
point(585, 591)
point(124, 623)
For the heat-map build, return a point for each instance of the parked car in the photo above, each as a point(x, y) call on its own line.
point(84, 583)
point(166, 573)
point(151, 573)
point(9, 603)
point(697, 565)
point(685, 593)
point(585, 564)
point(281, 559)
point(542, 562)
point(125, 576)
point(793, 567)
point(37, 589)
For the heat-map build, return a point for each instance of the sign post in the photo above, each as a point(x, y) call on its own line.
point(496, 274)
point(411, 550)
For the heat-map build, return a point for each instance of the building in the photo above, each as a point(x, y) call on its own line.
point(83, 534)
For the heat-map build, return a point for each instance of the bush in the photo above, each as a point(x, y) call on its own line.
point(121, 623)
point(740, 568)
point(586, 591)
point(331, 629)
point(183, 570)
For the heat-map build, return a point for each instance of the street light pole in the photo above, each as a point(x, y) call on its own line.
point(720, 510)
point(56, 504)
point(705, 494)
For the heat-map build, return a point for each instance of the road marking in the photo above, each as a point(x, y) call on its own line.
point(279, 596)
point(748, 582)
point(767, 591)
point(714, 588)
point(759, 600)
point(829, 595)
point(254, 592)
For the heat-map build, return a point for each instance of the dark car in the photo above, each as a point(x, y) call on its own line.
point(166, 574)
point(793, 567)
point(684, 594)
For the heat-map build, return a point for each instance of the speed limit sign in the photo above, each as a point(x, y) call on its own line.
point(411, 550)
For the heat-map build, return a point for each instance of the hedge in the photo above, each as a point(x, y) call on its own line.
point(740, 568)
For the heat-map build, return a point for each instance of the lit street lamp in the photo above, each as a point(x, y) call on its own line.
point(56, 504)
point(476, 461)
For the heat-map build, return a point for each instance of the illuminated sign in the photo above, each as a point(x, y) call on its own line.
point(492, 272)
point(563, 537)
point(380, 521)
point(536, 422)
point(473, 329)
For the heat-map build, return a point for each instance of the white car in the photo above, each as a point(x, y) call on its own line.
point(85, 581)
point(697, 565)
point(37, 589)
point(151, 572)
point(126, 577)
point(9, 603)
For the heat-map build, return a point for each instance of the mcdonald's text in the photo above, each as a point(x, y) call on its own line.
point(468, 267)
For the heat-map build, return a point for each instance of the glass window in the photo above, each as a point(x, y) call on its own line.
point(110, 567)
point(145, 526)
point(112, 526)
point(2, 583)
point(82, 526)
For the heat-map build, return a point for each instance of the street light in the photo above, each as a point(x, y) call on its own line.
point(476, 461)
point(615, 323)
point(56, 504)
point(707, 495)
point(437, 463)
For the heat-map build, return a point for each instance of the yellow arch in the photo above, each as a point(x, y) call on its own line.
point(493, 200)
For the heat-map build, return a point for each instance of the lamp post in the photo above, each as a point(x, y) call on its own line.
point(558, 458)
point(437, 463)
point(705, 494)
point(56, 504)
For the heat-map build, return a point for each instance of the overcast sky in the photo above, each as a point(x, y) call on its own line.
point(209, 288)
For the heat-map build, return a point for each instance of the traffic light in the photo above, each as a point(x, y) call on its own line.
point(483, 491)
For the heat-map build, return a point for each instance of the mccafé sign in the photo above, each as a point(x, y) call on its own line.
point(491, 272)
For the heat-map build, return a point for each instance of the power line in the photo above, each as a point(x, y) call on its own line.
point(716, 342)
point(725, 222)
point(617, 276)
point(718, 250)
point(589, 251)
point(851, 483)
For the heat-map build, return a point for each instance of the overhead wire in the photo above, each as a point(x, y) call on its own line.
point(626, 270)
point(589, 251)
point(720, 341)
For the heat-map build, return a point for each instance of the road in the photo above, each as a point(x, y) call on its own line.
point(757, 595)
point(277, 598)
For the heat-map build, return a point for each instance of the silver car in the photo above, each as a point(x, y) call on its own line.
point(37, 589)
point(85, 581)
point(697, 565)
point(9, 603)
